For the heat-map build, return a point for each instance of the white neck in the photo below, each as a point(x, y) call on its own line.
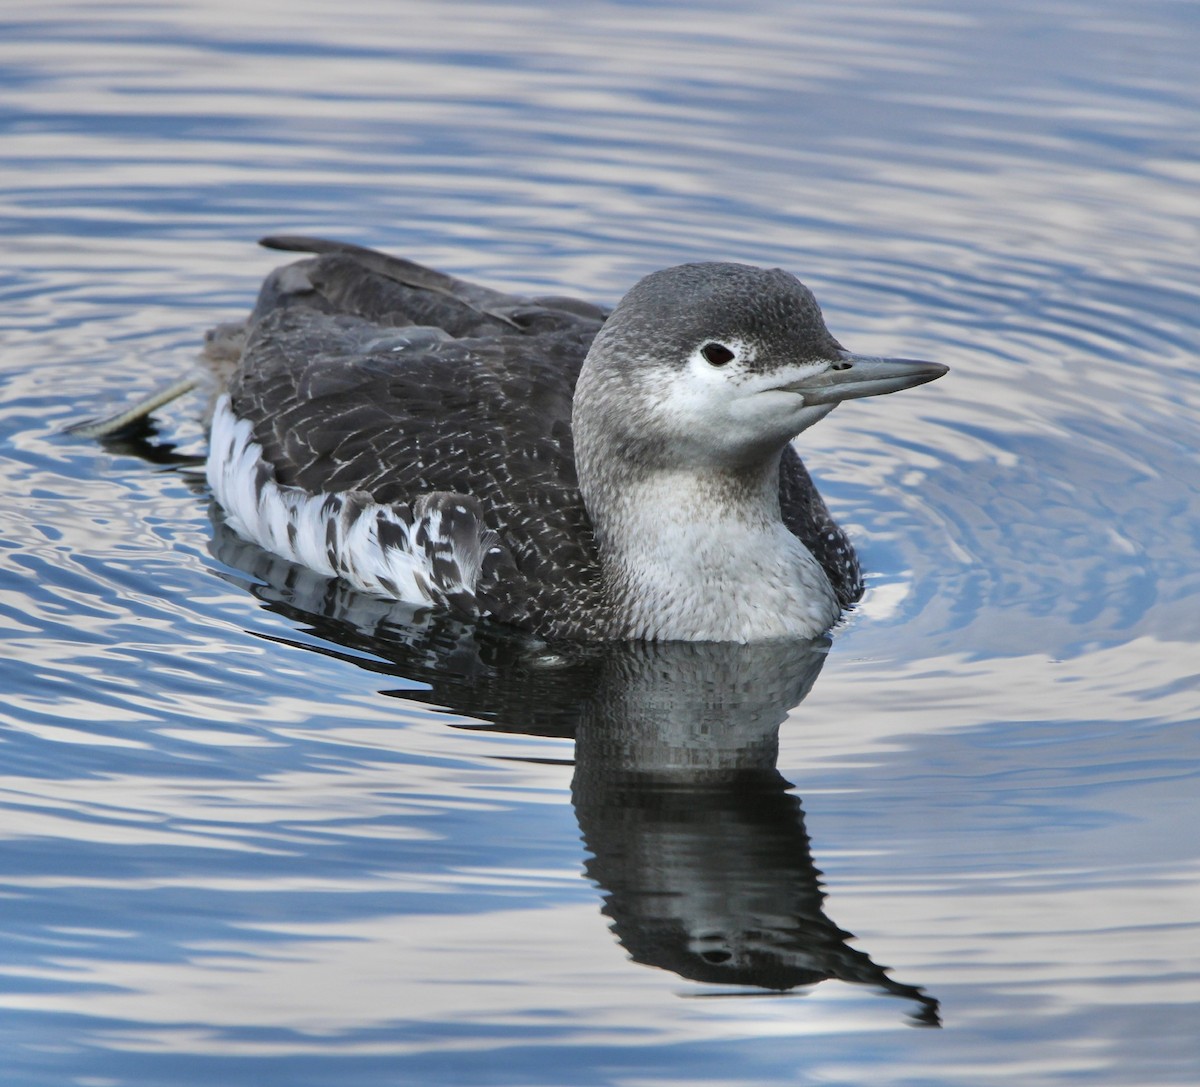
point(686, 516)
point(704, 556)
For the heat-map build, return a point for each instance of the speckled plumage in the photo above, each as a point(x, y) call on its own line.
point(386, 385)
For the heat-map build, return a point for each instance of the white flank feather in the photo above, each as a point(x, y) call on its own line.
point(429, 553)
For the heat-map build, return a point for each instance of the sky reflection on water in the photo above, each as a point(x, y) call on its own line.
point(250, 835)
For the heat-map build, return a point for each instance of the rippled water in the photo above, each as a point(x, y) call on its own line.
point(259, 831)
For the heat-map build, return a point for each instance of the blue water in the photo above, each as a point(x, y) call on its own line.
point(259, 831)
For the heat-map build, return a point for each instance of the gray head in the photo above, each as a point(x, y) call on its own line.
point(678, 307)
point(718, 365)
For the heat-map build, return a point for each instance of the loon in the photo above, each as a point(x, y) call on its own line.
point(544, 463)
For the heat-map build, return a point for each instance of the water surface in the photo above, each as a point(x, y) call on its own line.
point(257, 830)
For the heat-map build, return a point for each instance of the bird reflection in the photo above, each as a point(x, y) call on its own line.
point(697, 842)
point(695, 839)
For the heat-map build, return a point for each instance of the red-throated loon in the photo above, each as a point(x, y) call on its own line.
point(542, 462)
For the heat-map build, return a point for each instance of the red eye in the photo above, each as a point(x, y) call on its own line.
point(716, 354)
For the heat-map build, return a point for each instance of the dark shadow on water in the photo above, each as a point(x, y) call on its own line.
point(140, 439)
point(695, 839)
